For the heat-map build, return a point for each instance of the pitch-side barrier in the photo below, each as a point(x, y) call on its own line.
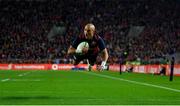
point(135, 68)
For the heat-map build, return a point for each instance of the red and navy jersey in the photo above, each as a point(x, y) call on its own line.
point(95, 45)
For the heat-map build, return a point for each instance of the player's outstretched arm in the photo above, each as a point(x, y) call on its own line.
point(71, 50)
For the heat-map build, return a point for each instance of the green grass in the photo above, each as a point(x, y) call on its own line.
point(87, 88)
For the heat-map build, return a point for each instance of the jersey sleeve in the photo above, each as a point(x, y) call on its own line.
point(101, 44)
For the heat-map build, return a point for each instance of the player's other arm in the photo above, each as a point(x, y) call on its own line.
point(103, 49)
point(104, 55)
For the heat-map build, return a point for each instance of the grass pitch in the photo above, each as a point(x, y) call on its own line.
point(86, 88)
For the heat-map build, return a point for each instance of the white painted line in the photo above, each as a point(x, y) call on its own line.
point(20, 75)
point(20, 80)
point(4, 80)
point(135, 82)
point(23, 74)
point(25, 80)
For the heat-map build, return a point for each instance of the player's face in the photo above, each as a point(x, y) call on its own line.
point(89, 31)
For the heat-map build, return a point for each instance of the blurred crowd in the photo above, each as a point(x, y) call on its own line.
point(25, 28)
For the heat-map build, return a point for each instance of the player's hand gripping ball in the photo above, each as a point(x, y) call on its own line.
point(83, 48)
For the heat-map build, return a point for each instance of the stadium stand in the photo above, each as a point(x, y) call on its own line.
point(40, 31)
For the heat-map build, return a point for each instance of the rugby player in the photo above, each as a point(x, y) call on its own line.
point(96, 46)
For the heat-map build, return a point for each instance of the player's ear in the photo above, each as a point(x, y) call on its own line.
point(85, 32)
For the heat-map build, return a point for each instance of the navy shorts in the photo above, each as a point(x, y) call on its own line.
point(80, 57)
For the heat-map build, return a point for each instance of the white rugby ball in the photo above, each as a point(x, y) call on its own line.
point(81, 46)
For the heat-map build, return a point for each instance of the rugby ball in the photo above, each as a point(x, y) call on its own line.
point(81, 46)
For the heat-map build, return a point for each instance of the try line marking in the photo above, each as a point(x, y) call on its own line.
point(134, 82)
point(23, 74)
point(20, 75)
point(4, 80)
